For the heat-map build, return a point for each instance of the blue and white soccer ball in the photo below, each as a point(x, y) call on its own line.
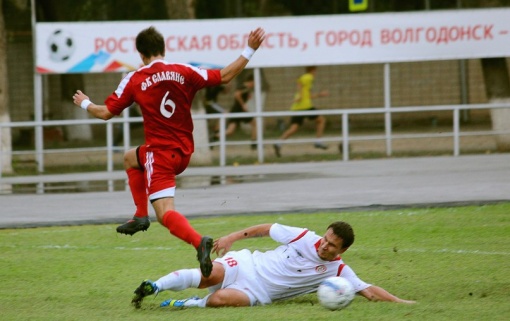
point(61, 45)
point(335, 293)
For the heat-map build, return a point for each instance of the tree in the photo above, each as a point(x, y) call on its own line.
point(56, 10)
point(5, 133)
point(181, 9)
point(497, 88)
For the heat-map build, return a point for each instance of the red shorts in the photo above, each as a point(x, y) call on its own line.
point(161, 166)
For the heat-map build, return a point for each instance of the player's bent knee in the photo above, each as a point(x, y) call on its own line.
point(130, 160)
point(228, 298)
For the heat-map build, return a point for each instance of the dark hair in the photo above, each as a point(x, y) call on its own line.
point(150, 43)
point(310, 68)
point(344, 231)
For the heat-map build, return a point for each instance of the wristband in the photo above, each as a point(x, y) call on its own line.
point(85, 103)
point(248, 52)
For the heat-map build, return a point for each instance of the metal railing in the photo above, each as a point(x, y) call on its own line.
point(344, 136)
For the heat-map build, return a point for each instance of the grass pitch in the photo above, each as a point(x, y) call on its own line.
point(453, 261)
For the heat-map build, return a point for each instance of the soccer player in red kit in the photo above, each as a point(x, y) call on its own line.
point(164, 91)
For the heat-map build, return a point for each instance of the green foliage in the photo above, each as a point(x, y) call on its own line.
point(453, 261)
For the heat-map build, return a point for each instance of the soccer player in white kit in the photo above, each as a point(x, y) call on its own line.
point(245, 278)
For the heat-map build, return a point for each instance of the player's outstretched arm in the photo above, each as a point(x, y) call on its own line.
point(375, 293)
point(98, 111)
point(255, 38)
point(322, 93)
point(223, 244)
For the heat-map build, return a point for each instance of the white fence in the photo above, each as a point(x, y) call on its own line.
point(334, 39)
point(344, 137)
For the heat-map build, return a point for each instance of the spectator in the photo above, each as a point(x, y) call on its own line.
point(212, 106)
point(241, 97)
point(303, 101)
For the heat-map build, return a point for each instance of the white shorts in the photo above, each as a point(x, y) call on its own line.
point(240, 274)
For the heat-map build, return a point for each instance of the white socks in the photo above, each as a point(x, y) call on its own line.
point(179, 280)
point(203, 302)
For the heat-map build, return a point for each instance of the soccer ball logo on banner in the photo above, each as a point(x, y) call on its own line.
point(61, 45)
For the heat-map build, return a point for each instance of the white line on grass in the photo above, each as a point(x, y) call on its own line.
point(163, 248)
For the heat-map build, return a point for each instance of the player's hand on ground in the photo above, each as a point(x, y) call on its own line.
point(222, 245)
point(256, 37)
point(78, 97)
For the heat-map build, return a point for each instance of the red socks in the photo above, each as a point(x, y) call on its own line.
point(136, 181)
point(175, 222)
point(179, 226)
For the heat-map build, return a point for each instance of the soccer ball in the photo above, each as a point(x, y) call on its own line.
point(61, 45)
point(335, 293)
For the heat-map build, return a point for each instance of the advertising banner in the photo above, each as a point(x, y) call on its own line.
point(92, 47)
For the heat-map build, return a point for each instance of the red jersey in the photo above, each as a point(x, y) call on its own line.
point(164, 92)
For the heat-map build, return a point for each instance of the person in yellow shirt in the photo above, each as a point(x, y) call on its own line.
point(302, 102)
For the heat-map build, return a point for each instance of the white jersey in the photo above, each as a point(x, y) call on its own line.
point(295, 268)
